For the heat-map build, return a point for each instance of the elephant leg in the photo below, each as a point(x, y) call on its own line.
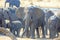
point(25, 32)
point(38, 35)
point(18, 29)
point(18, 32)
point(12, 31)
point(52, 31)
point(57, 33)
point(43, 31)
point(32, 31)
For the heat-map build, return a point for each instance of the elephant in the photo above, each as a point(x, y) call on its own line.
point(53, 23)
point(10, 20)
point(14, 23)
point(13, 3)
point(48, 14)
point(3, 30)
point(34, 18)
point(21, 14)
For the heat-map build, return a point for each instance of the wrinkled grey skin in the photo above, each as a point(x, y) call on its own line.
point(34, 18)
point(53, 23)
point(48, 14)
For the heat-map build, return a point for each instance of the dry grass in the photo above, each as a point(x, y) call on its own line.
point(4, 38)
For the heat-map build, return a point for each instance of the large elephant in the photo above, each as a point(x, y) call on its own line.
point(54, 24)
point(34, 18)
point(13, 3)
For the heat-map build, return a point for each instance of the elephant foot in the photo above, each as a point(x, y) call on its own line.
point(43, 37)
point(46, 34)
point(24, 36)
point(28, 36)
point(52, 37)
point(21, 36)
point(38, 36)
point(32, 37)
point(17, 35)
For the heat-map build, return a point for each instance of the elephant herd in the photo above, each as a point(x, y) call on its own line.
point(30, 19)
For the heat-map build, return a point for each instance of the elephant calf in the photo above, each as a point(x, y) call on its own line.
point(53, 23)
point(48, 14)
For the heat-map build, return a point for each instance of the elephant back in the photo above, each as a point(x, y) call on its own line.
point(36, 13)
